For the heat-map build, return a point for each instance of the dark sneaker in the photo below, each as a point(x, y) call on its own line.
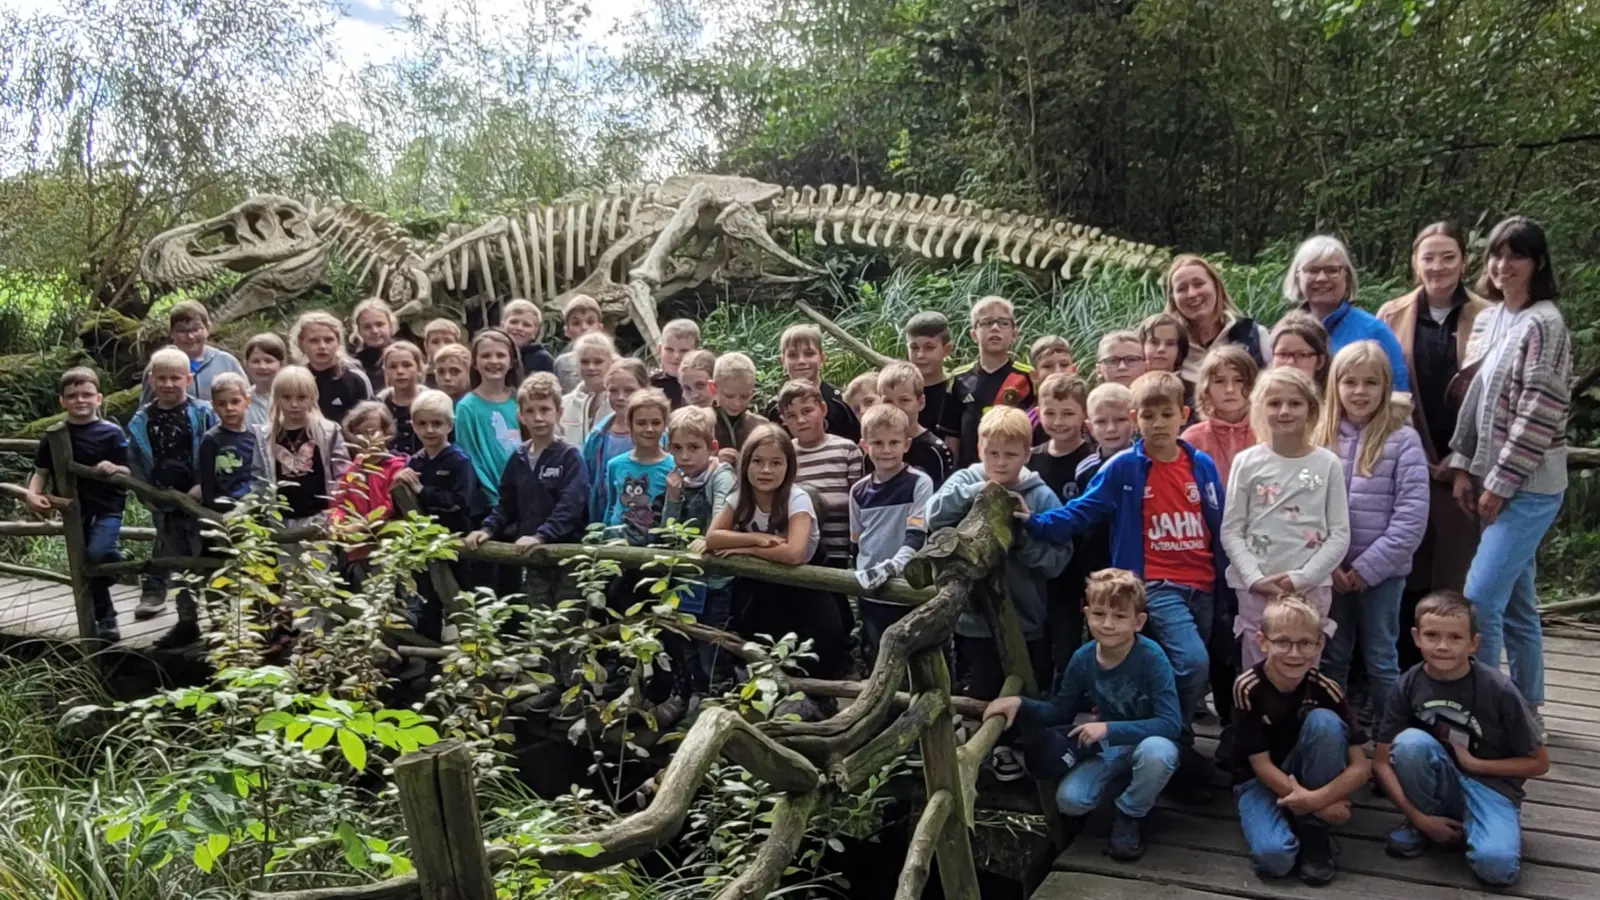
point(1316, 856)
point(182, 635)
point(1405, 842)
point(1006, 766)
point(106, 630)
point(151, 603)
point(1127, 838)
point(1224, 756)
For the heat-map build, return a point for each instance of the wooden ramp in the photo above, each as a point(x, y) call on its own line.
point(1199, 854)
point(43, 610)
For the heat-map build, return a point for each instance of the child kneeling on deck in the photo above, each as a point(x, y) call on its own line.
point(1126, 678)
point(1297, 754)
point(1454, 746)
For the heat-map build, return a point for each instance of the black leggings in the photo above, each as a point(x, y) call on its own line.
point(776, 610)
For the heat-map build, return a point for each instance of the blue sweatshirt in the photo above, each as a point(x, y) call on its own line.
point(1349, 324)
point(1116, 495)
point(547, 497)
point(449, 488)
point(1137, 698)
point(226, 472)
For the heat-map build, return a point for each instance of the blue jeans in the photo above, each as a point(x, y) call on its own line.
point(1317, 758)
point(100, 535)
point(1434, 785)
point(1500, 585)
point(1374, 614)
point(1145, 768)
point(1180, 620)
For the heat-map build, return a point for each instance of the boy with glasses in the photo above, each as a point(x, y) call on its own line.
point(995, 379)
point(1119, 358)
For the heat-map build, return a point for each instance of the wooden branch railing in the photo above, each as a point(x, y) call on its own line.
point(807, 764)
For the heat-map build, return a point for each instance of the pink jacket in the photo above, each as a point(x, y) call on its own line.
point(1221, 441)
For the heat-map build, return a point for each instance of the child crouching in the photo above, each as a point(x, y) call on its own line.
point(1297, 753)
point(1126, 679)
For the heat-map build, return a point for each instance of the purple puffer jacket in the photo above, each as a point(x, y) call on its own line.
point(1389, 508)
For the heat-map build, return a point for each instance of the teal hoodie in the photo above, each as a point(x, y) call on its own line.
point(1030, 564)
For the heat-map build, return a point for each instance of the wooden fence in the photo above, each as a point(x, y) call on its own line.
point(808, 763)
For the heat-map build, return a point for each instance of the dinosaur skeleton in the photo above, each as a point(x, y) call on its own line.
point(629, 247)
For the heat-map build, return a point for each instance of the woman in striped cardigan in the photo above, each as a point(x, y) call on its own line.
point(1509, 451)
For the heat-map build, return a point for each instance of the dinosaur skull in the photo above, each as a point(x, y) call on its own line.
point(262, 230)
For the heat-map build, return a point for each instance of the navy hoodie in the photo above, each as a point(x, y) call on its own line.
point(546, 497)
point(450, 491)
point(535, 358)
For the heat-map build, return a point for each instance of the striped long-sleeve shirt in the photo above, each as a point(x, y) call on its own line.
point(1512, 432)
point(829, 469)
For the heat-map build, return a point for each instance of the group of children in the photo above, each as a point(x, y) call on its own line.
point(1199, 517)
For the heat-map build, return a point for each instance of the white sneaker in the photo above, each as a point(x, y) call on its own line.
point(1006, 766)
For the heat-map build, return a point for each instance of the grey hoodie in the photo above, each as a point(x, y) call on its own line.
point(213, 362)
point(1030, 564)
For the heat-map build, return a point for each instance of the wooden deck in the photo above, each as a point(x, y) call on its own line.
point(1199, 853)
point(42, 610)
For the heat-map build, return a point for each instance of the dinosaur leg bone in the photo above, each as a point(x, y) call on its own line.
point(743, 222)
point(684, 222)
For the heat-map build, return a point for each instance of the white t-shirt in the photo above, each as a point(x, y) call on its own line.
point(799, 502)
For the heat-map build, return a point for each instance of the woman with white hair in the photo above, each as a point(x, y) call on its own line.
point(1322, 280)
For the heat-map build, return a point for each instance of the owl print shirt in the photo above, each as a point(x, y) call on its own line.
point(1285, 514)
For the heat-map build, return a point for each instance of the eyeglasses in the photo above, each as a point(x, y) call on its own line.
point(994, 323)
point(1324, 271)
point(1284, 645)
point(1120, 362)
point(189, 328)
point(1295, 356)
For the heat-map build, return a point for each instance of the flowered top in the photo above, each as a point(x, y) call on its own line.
point(1285, 514)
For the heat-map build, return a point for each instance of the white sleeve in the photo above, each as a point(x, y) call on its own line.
point(1236, 520)
point(1318, 570)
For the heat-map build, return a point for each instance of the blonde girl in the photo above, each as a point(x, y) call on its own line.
point(487, 429)
point(1227, 377)
point(1386, 475)
point(770, 517)
point(582, 407)
point(317, 340)
point(610, 438)
point(1300, 342)
point(300, 455)
point(402, 371)
point(373, 327)
point(1286, 523)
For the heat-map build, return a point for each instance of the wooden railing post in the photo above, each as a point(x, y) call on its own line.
point(439, 571)
point(440, 802)
point(941, 771)
point(60, 441)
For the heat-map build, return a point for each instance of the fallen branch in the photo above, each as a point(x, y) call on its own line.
point(1568, 607)
point(919, 855)
point(716, 731)
point(790, 815)
point(970, 707)
point(406, 887)
point(850, 341)
point(30, 572)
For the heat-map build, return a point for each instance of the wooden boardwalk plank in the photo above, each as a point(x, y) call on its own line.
point(1085, 885)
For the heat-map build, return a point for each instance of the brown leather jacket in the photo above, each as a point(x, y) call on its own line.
point(1400, 314)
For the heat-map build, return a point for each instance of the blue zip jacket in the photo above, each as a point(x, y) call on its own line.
point(547, 498)
point(1349, 324)
point(594, 445)
point(1116, 495)
point(201, 420)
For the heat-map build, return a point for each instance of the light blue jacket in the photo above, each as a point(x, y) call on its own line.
point(1030, 563)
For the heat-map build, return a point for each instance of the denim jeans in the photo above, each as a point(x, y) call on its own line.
point(1317, 758)
point(1500, 585)
point(1374, 614)
point(1180, 619)
point(1145, 768)
point(100, 535)
point(177, 534)
point(1433, 784)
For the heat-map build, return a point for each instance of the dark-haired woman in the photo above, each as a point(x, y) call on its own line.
point(1433, 322)
point(1195, 294)
point(1509, 451)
